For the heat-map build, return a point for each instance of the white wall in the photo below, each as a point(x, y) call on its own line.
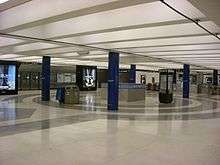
point(148, 76)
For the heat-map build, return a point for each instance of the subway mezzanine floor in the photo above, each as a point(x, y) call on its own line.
point(35, 132)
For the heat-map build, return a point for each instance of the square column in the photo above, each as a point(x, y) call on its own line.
point(215, 78)
point(45, 89)
point(186, 80)
point(113, 81)
point(174, 76)
point(132, 74)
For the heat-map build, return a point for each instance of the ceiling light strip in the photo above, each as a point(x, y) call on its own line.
point(35, 39)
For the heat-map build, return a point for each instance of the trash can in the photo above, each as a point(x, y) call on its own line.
point(71, 95)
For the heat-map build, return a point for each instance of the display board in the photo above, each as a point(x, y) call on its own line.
point(66, 77)
point(86, 77)
point(166, 86)
point(166, 81)
point(8, 77)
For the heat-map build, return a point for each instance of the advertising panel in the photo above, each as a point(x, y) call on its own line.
point(8, 77)
point(86, 77)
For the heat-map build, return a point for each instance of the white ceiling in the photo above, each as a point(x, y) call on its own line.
point(138, 28)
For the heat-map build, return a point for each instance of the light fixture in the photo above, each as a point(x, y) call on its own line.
point(3, 1)
point(9, 56)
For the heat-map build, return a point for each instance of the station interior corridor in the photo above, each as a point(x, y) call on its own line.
point(184, 132)
point(109, 82)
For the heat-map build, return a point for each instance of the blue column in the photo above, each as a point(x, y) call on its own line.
point(45, 89)
point(174, 76)
point(186, 80)
point(132, 74)
point(215, 77)
point(113, 81)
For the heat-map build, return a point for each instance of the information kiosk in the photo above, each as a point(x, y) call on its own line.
point(166, 86)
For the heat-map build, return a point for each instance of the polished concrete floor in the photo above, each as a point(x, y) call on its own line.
point(33, 132)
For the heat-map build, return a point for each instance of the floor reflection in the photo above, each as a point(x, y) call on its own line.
point(45, 133)
point(10, 111)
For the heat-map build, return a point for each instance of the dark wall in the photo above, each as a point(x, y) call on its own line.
point(103, 76)
point(123, 77)
point(32, 80)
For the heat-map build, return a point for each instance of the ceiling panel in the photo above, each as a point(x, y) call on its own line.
point(141, 28)
point(33, 46)
point(141, 33)
point(39, 9)
point(161, 42)
point(176, 53)
point(174, 48)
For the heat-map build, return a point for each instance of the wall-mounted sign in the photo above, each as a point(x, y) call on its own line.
point(66, 77)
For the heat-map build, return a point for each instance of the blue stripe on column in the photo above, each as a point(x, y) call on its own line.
point(174, 77)
point(113, 81)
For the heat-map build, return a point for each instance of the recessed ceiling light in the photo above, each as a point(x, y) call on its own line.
point(3, 1)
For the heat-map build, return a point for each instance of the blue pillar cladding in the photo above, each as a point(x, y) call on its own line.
point(113, 81)
point(174, 76)
point(132, 74)
point(45, 90)
point(186, 80)
point(215, 77)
